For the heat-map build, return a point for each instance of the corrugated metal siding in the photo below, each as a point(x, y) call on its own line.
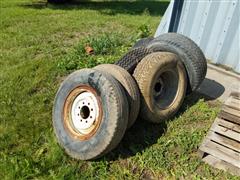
point(213, 25)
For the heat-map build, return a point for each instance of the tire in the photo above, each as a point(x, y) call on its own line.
point(143, 42)
point(130, 60)
point(162, 81)
point(97, 99)
point(189, 53)
point(130, 87)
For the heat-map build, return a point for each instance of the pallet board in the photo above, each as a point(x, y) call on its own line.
point(221, 147)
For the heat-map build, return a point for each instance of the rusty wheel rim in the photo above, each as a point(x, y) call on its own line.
point(82, 112)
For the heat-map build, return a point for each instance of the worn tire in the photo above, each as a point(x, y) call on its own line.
point(130, 86)
point(189, 53)
point(143, 42)
point(109, 124)
point(161, 78)
point(130, 60)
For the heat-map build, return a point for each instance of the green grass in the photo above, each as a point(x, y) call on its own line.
point(40, 45)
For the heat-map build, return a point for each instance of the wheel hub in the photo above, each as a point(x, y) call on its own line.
point(158, 88)
point(166, 88)
point(84, 112)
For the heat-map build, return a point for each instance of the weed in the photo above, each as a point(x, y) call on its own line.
point(105, 44)
point(105, 48)
point(144, 31)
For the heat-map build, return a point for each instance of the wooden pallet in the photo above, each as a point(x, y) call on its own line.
point(221, 147)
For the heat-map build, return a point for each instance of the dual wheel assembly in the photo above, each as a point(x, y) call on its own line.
point(94, 107)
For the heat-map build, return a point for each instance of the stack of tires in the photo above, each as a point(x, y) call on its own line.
point(94, 107)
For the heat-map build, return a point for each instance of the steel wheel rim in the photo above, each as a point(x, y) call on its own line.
point(82, 112)
point(168, 88)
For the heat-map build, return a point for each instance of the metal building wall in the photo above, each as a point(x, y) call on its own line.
point(214, 25)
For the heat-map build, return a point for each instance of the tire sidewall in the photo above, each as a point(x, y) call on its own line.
point(130, 88)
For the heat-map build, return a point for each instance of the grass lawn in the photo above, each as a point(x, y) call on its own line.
point(40, 45)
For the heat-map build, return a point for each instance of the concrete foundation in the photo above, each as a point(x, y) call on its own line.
point(219, 83)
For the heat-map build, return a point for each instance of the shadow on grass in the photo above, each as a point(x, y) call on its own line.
point(144, 134)
point(154, 8)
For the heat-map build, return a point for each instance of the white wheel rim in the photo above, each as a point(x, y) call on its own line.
point(84, 112)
